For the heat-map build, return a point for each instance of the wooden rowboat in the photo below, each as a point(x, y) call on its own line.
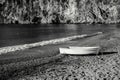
point(79, 50)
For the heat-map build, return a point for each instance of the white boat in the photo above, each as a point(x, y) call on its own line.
point(79, 50)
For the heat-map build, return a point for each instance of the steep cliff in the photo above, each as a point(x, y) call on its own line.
point(59, 11)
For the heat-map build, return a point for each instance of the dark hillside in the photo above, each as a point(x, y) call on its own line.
point(59, 11)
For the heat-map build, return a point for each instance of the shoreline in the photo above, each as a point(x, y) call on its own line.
point(4, 50)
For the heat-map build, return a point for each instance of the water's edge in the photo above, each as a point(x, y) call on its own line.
point(4, 50)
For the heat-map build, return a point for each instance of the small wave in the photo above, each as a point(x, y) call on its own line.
point(4, 50)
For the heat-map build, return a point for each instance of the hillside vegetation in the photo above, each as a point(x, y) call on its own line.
point(59, 11)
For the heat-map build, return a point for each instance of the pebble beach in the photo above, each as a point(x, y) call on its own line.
point(104, 66)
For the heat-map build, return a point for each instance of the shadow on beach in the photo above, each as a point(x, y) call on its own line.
point(100, 53)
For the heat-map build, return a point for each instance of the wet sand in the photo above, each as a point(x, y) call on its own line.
point(54, 66)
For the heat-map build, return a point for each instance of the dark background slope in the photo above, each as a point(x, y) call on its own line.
point(59, 11)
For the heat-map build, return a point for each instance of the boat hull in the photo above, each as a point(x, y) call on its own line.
point(79, 50)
